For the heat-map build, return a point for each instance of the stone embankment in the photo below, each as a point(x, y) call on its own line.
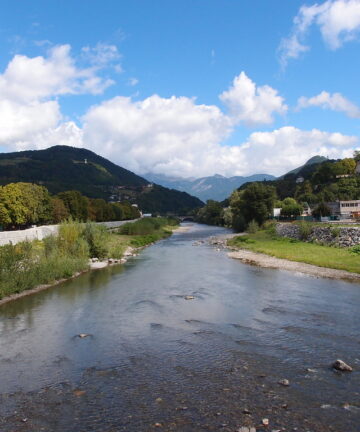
point(337, 236)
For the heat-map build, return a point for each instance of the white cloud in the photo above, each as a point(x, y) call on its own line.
point(133, 82)
point(177, 137)
point(334, 102)
point(250, 104)
point(174, 136)
point(171, 135)
point(29, 88)
point(337, 20)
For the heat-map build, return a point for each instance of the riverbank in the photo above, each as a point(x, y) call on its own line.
point(266, 250)
point(31, 267)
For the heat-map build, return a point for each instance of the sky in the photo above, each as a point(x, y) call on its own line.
point(186, 88)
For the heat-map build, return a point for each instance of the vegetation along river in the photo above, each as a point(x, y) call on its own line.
point(153, 360)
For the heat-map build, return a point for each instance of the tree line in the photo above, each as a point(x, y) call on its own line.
point(254, 202)
point(24, 204)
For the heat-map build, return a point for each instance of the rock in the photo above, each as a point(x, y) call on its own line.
point(246, 429)
point(265, 421)
point(340, 365)
point(189, 297)
point(83, 335)
point(158, 400)
point(246, 411)
point(284, 382)
point(158, 425)
point(79, 392)
point(310, 370)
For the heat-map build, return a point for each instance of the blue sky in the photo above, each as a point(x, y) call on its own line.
point(183, 87)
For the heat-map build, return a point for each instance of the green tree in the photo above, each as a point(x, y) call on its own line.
point(321, 210)
point(256, 202)
point(59, 211)
point(212, 213)
point(76, 204)
point(24, 203)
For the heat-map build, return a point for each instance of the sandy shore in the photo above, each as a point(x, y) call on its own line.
point(267, 261)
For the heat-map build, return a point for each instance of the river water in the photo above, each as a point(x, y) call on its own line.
point(155, 361)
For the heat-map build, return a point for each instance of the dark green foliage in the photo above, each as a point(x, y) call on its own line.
point(255, 203)
point(163, 200)
point(64, 168)
point(321, 210)
point(76, 204)
point(96, 238)
point(212, 214)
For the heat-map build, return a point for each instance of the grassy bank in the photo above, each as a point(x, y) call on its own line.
point(28, 264)
point(323, 256)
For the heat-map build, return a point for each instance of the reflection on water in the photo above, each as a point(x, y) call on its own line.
point(140, 323)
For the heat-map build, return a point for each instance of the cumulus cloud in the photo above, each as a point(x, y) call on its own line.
point(250, 104)
point(29, 88)
point(337, 20)
point(334, 102)
point(171, 135)
point(175, 136)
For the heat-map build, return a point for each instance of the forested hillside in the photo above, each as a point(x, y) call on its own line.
point(63, 168)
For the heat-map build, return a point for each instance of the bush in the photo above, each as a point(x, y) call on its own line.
point(305, 230)
point(96, 237)
point(253, 227)
point(355, 250)
point(270, 227)
point(146, 226)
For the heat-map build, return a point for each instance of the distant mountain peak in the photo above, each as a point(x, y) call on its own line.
point(316, 159)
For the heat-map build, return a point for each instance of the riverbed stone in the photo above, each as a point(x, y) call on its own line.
point(284, 382)
point(340, 365)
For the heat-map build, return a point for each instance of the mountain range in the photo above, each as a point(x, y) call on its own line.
point(216, 187)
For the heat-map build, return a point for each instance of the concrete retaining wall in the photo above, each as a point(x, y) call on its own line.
point(339, 236)
point(41, 232)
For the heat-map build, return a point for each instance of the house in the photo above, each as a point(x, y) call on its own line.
point(306, 210)
point(349, 208)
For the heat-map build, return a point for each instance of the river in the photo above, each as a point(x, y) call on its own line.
point(153, 360)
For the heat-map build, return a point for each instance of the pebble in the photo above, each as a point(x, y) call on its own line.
point(246, 429)
point(341, 366)
point(310, 370)
point(246, 411)
point(189, 297)
point(83, 335)
point(284, 382)
point(158, 400)
point(265, 421)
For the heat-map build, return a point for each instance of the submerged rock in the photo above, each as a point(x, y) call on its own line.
point(284, 382)
point(340, 365)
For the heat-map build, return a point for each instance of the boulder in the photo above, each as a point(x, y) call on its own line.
point(340, 365)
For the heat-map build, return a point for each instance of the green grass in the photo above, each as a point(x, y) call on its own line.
point(322, 256)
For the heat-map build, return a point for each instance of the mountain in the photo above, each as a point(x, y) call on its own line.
point(312, 161)
point(215, 187)
point(61, 168)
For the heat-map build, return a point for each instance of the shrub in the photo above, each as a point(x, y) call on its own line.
point(96, 237)
point(270, 227)
point(355, 250)
point(335, 232)
point(253, 227)
point(305, 229)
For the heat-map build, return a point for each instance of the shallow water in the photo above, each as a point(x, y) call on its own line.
point(207, 359)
